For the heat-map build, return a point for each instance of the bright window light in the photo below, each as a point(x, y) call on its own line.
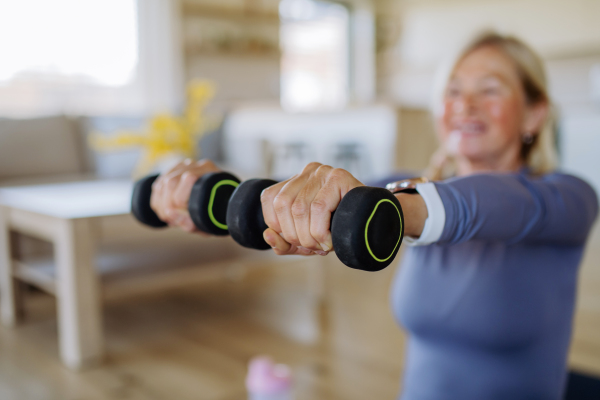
point(93, 40)
point(315, 59)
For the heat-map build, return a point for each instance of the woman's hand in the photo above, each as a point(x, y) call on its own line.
point(171, 192)
point(298, 210)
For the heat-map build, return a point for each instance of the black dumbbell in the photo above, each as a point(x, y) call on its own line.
point(366, 228)
point(207, 204)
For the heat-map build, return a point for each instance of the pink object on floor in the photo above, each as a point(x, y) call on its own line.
point(267, 378)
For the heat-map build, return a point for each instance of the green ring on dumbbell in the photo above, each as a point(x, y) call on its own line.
point(367, 229)
point(211, 201)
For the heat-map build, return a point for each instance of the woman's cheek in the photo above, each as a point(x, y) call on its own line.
point(504, 115)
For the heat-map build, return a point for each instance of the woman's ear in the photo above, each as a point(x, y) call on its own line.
point(535, 117)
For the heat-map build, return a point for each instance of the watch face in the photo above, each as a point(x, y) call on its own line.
point(406, 185)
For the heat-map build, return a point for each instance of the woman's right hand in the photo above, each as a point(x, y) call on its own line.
point(298, 211)
point(171, 192)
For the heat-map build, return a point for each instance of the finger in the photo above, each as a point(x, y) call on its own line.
point(188, 176)
point(166, 198)
point(338, 183)
point(282, 204)
point(302, 206)
point(181, 194)
point(277, 243)
point(281, 247)
point(267, 198)
point(157, 194)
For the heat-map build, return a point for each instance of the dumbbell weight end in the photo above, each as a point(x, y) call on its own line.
point(367, 228)
point(140, 203)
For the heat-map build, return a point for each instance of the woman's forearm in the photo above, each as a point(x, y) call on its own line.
point(415, 213)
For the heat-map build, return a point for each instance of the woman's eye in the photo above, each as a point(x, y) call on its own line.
point(453, 92)
point(491, 91)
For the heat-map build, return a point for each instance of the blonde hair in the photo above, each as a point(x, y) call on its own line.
point(540, 154)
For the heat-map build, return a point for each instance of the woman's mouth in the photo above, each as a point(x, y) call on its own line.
point(469, 128)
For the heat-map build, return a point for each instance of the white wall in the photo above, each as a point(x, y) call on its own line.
point(558, 29)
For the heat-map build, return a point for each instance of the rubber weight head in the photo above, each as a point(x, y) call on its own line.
point(209, 200)
point(244, 214)
point(367, 228)
point(140, 203)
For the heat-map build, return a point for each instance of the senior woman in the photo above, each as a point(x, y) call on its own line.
point(487, 291)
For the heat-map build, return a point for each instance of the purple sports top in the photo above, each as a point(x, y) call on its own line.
point(489, 305)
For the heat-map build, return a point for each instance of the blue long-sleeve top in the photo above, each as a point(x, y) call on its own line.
point(489, 305)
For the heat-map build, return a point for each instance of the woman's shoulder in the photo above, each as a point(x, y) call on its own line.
point(563, 182)
point(564, 179)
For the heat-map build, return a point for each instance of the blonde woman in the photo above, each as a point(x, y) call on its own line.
point(487, 291)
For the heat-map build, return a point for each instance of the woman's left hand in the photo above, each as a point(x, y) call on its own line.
point(298, 210)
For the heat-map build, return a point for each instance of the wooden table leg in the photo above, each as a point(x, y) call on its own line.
point(8, 292)
point(78, 295)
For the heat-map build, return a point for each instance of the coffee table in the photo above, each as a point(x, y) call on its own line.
point(64, 214)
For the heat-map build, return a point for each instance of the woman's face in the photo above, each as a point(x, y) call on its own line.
point(484, 110)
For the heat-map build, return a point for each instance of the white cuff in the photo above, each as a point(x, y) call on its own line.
point(434, 224)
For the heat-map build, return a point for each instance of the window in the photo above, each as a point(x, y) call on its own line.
point(315, 55)
point(67, 56)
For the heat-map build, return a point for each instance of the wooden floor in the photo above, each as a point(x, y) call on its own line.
point(195, 342)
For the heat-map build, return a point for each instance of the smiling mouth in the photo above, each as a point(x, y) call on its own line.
point(469, 128)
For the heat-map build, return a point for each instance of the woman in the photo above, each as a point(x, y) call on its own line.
point(487, 294)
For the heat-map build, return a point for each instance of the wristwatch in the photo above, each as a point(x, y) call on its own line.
point(408, 186)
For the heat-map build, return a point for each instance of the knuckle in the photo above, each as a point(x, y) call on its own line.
point(267, 195)
point(318, 206)
point(338, 174)
point(300, 209)
point(281, 203)
point(323, 169)
point(206, 163)
point(189, 177)
point(171, 180)
point(311, 166)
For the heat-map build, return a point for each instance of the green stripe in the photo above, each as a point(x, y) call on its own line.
point(212, 201)
point(367, 229)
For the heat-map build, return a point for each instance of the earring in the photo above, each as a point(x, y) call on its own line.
point(528, 138)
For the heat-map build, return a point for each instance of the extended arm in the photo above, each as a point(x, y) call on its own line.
point(556, 208)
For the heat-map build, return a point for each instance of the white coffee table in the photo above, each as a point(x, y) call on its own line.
point(63, 214)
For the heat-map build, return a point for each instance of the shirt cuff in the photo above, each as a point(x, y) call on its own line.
point(434, 224)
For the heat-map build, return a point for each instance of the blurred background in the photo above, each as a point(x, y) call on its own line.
point(347, 83)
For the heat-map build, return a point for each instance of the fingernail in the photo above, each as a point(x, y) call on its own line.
point(327, 244)
point(321, 252)
point(305, 250)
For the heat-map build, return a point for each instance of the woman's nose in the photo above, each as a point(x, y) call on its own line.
point(466, 104)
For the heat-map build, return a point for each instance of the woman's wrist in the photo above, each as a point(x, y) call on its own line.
point(415, 213)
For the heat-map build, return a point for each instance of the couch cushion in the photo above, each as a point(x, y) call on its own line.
point(38, 147)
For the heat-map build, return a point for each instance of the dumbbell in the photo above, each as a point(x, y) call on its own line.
point(207, 205)
point(367, 227)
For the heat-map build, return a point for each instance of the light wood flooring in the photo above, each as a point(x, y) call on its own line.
point(195, 342)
